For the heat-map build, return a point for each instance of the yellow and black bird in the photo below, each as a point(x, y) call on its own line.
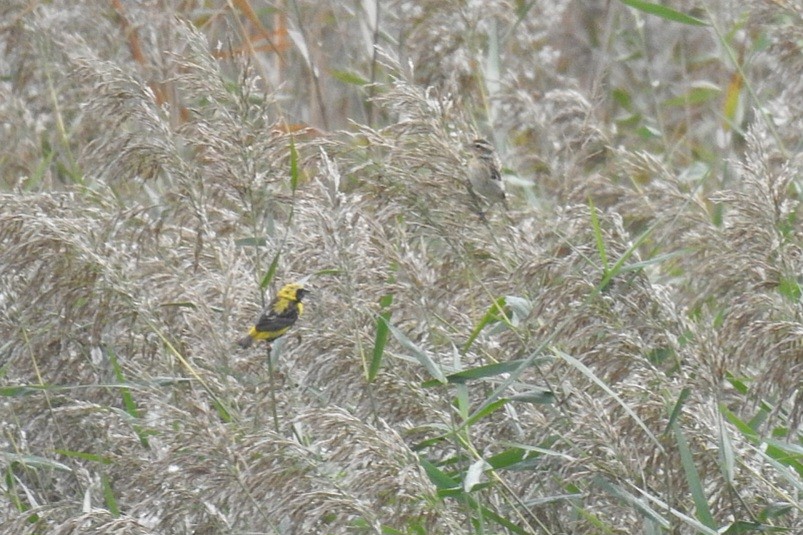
point(278, 316)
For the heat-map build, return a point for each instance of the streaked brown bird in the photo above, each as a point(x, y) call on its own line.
point(484, 173)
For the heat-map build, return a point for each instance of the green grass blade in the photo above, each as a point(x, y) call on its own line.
point(693, 479)
point(662, 505)
point(481, 372)
point(726, 456)
point(637, 503)
point(508, 458)
point(590, 375)
point(682, 397)
point(603, 255)
point(223, 412)
point(788, 455)
point(494, 314)
point(485, 411)
point(84, 456)
point(438, 476)
point(489, 370)
point(619, 266)
point(381, 338)
point(129, 404)
point(274, 265)
point(33, 461)
point(108, 496)
point(502, 521)
point(293, 166)
point(21, 390)
point(462, 401)
point(432, 367)
point(349, 77)
point(664, 12)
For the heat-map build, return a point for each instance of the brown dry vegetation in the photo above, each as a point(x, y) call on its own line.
point(165, 166)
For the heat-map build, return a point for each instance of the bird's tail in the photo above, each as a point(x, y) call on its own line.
point(245, 342)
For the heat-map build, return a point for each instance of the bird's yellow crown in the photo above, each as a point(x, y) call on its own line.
point(292, 292)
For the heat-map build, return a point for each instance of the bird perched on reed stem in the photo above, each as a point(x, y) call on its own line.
point(484, 173)
point(278, 316)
